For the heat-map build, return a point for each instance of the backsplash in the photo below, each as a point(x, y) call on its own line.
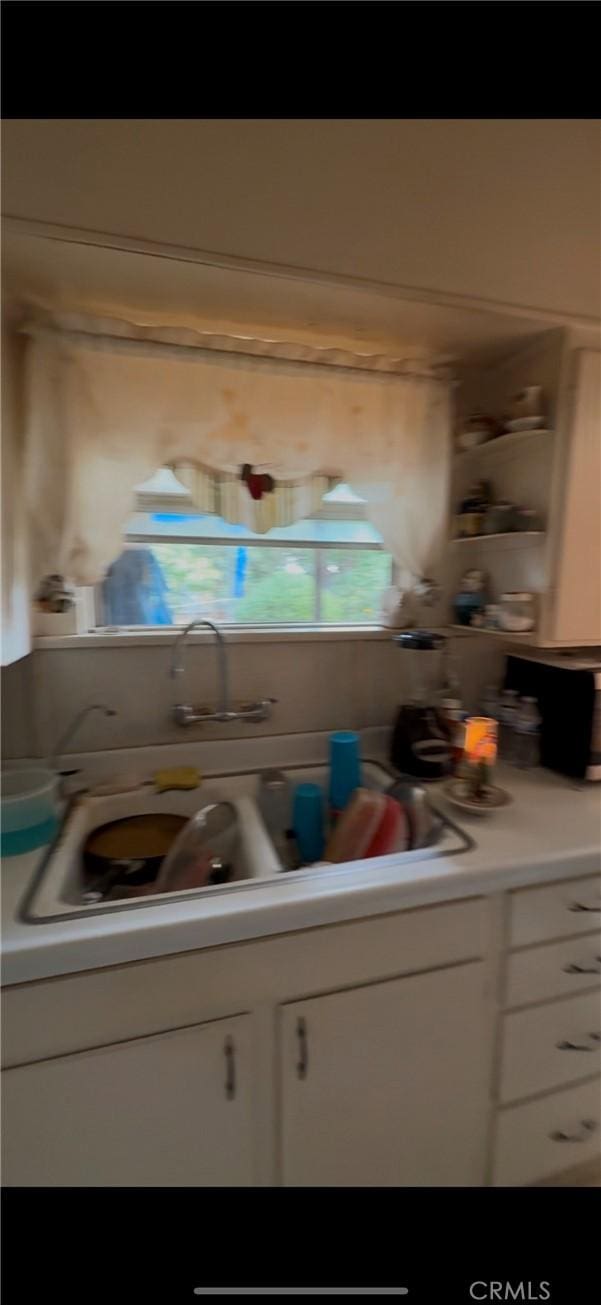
point(319, 685)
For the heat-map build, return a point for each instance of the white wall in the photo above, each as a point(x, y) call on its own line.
point(499, 209)
point(15, 581)
point(319, 686)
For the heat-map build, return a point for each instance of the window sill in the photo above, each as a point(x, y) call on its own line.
point(233, 634)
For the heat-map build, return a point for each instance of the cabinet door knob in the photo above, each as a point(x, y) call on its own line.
point(574, 968)
point(302, 1064)
point(581, 906)
point(587, 1127)
point(591, 1045)
point(230, 1068)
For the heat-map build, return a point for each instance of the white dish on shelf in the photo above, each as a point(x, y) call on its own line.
point(472, 439)
point(524, 423)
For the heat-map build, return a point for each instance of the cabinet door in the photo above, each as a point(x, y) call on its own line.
point(165, 1111)
point(387, 1085)
point(578, 599)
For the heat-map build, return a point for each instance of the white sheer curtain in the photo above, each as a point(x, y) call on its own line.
point(104, 413)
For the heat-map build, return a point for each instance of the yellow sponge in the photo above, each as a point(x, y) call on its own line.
point(179, 777)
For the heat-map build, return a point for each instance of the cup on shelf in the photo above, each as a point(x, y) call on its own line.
point(345, 768)
point(308, 821)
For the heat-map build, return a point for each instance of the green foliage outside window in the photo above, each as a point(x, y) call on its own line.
point(336, 585)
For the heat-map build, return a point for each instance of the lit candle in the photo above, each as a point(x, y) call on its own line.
point(480, 751)
point(481, 740)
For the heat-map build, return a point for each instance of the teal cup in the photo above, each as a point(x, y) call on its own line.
point(307, 821)
point(345, 768)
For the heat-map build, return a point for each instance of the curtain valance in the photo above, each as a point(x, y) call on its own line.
point(104, 412)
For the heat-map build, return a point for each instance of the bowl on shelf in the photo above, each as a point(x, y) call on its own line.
point(477, 430)
point(517, 612)
point(524, 423)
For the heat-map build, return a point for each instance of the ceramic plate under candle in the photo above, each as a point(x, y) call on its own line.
point(492, 797)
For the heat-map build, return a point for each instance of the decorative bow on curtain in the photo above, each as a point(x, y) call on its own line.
point(245, 499)
point(105, 410)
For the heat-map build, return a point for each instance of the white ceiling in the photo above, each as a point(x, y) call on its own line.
point(507, 210)
point(63, 275)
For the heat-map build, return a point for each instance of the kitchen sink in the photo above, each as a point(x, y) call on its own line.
point(60, 884)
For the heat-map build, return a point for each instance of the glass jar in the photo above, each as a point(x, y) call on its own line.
point(500, 519)
point(527, 734)
point(517, 612)
point(491, 702)
point(508, 709)
point(274, 799)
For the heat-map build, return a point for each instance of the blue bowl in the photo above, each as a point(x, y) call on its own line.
point(14, 842)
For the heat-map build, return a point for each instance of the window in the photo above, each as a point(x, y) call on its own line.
point(178, 566)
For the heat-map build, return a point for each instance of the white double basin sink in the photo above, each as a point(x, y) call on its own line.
point(59, 886)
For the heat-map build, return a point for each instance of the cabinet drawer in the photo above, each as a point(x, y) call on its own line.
point(550, 1045)
point(544, 1137)
point(555, 970)
point(555, 911)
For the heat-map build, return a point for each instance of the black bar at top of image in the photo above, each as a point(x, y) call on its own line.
point(298, 58)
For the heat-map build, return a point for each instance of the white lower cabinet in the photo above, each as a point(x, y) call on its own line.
point(548, 1117)
point(387, 1084)
point(544, 1137)
point(170, 1110)
point(548, 1046)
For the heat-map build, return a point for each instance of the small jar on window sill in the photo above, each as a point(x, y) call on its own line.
point(78, 619)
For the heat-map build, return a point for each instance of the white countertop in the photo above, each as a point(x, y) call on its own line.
point(551, 830)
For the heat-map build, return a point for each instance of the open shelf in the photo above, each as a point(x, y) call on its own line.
point(509, 538)
point(508, 636)
point(512, 440)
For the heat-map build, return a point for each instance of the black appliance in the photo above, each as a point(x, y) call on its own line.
point(567, 688)
point(421, 741)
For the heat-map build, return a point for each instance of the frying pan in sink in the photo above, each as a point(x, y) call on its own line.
point(130, 850)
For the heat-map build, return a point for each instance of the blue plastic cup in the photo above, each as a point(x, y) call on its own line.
point(307, 821)
point(345, 768)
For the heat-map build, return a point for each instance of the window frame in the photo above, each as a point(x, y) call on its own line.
point(146, 502)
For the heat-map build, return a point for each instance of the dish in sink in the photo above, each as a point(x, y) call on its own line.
point(59, 884)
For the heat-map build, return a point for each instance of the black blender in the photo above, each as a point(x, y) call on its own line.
point(422, 743)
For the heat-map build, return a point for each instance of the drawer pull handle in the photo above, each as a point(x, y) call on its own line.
point(302, 1064)
point(574, 968)
point(580, 906)
point(595, 1039)
point(230, 1068)
point(587, 1127)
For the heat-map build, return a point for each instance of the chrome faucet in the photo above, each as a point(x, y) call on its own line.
point(177, 664)
point(183, 714)
point(65, 738)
